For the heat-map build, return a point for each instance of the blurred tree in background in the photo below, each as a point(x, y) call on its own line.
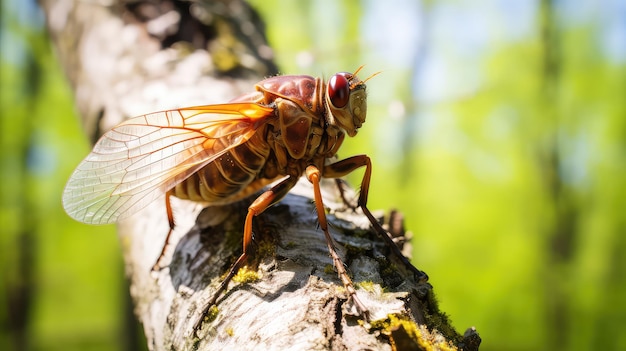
point(497, 127)
point(62, 283)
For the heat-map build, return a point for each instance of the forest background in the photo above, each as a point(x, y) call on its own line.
point(498, 127)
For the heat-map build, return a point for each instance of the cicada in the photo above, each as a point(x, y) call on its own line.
point(217, 154)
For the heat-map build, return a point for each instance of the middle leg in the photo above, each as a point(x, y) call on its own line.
point(313, 174)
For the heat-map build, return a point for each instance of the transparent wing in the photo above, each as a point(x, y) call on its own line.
point(139, 160)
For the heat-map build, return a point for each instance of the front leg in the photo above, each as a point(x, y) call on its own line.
point(347, 166)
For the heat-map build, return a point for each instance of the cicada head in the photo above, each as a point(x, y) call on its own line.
point(347, 101)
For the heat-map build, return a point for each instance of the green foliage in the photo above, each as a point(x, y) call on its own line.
point(512, 181)
point(62, 282)
point(514, 187)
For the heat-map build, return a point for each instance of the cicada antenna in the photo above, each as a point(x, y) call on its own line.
point(372, 75)
point(358, 70)
point(366, 79)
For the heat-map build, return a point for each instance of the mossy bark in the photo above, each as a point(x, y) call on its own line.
point(134, 57)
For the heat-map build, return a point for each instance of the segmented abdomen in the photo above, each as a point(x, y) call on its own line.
point(229, 177)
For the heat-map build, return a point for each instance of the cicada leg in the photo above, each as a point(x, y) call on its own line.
point(348, 165)
point(260, 204)
point(170, 218)
point(341, 186)
point(314, 175)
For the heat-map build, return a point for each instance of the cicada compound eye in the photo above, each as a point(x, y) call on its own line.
point(339, 90)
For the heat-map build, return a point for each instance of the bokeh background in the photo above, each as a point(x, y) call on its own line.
point(498, 127)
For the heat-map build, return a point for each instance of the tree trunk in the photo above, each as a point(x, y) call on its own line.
point(135, 57)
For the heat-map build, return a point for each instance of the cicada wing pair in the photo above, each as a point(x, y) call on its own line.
point(142, 158)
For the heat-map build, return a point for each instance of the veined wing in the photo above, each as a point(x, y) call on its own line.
point(142, 158)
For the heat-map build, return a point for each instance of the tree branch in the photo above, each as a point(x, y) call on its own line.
point(134, 57)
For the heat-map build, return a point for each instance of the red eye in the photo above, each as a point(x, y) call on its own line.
point(339, 90)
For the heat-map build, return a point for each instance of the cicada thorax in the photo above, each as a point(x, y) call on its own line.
point(300, 135)
point(296, 137)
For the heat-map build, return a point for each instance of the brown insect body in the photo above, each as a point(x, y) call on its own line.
point(301, 133)
point(223, 153)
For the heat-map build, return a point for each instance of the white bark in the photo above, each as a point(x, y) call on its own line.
point(297, 304)
point(119, 69)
